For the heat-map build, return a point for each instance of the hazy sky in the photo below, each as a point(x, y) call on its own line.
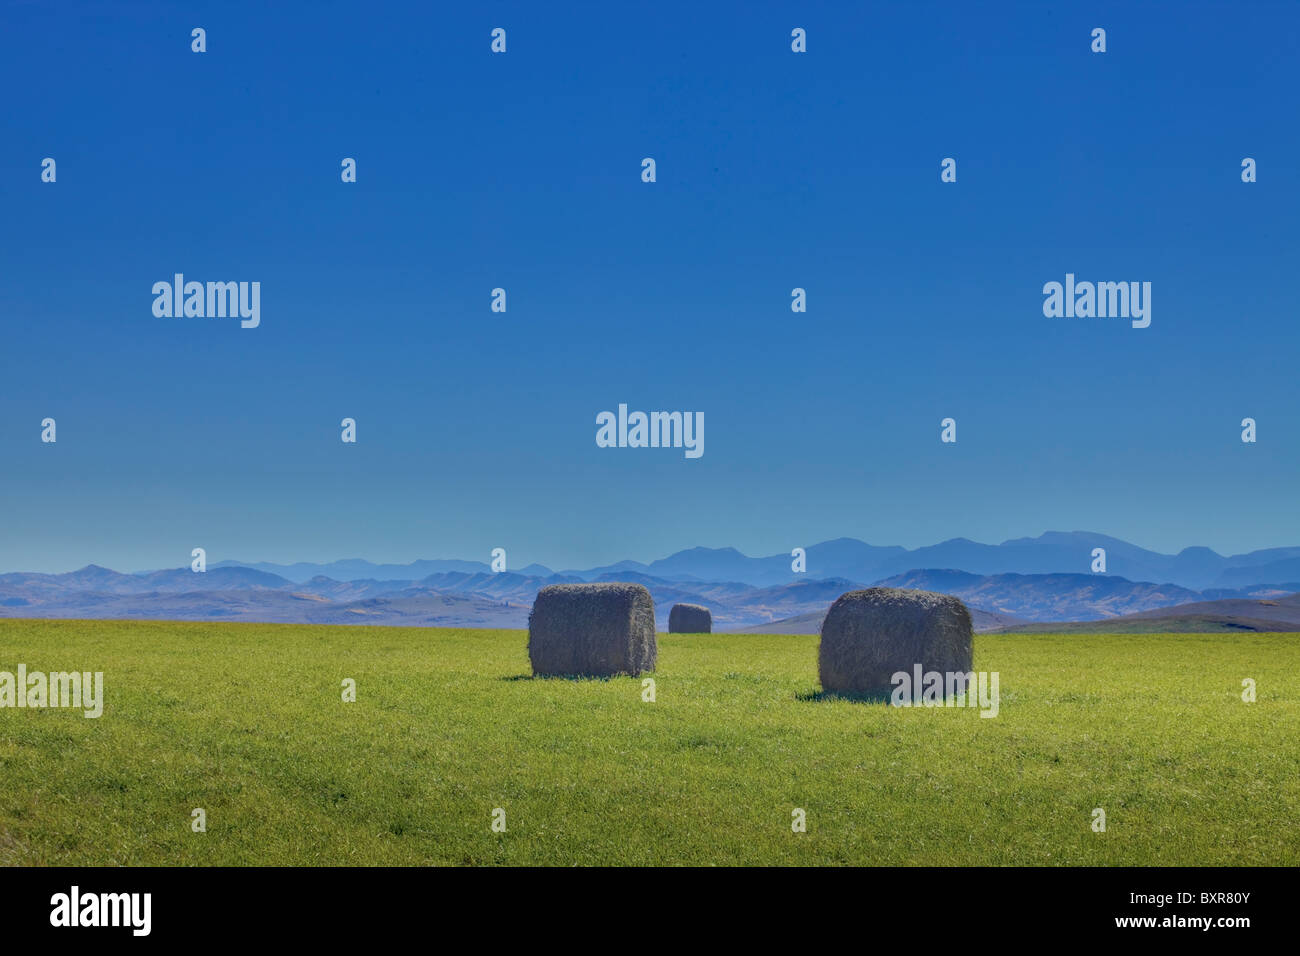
point(522, 170)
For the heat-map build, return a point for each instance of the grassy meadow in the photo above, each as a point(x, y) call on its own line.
point(247, 722)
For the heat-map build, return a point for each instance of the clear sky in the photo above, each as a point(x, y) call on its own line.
point(522, 170)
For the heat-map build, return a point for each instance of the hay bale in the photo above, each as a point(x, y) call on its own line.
point(690, 619)
point(594, 630)
point(870, 635)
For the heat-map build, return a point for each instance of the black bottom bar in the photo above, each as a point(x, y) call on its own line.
point(912, 904)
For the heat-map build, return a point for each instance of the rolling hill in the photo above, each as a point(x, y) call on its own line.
point(1223, 616)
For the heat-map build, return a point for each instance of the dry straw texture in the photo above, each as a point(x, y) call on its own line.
point(690, 619)
point(870, 635)
point(595, 630)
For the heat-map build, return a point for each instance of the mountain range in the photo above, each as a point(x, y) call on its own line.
point(1043, 586)
point(1054, 552)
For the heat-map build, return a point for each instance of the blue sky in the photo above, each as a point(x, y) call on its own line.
point(522, 170)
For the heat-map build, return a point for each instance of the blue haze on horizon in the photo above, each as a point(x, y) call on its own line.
point(775, 170)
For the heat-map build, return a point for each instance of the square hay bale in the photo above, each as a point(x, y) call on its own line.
point(868, 636)
point(690, 619)
point(594, 630)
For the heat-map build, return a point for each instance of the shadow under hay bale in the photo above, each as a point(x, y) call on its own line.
point(592, 630)
point(827, 696)
point(868, 636)
point(690, 619)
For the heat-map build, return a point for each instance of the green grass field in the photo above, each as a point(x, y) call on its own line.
point(247, 722)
